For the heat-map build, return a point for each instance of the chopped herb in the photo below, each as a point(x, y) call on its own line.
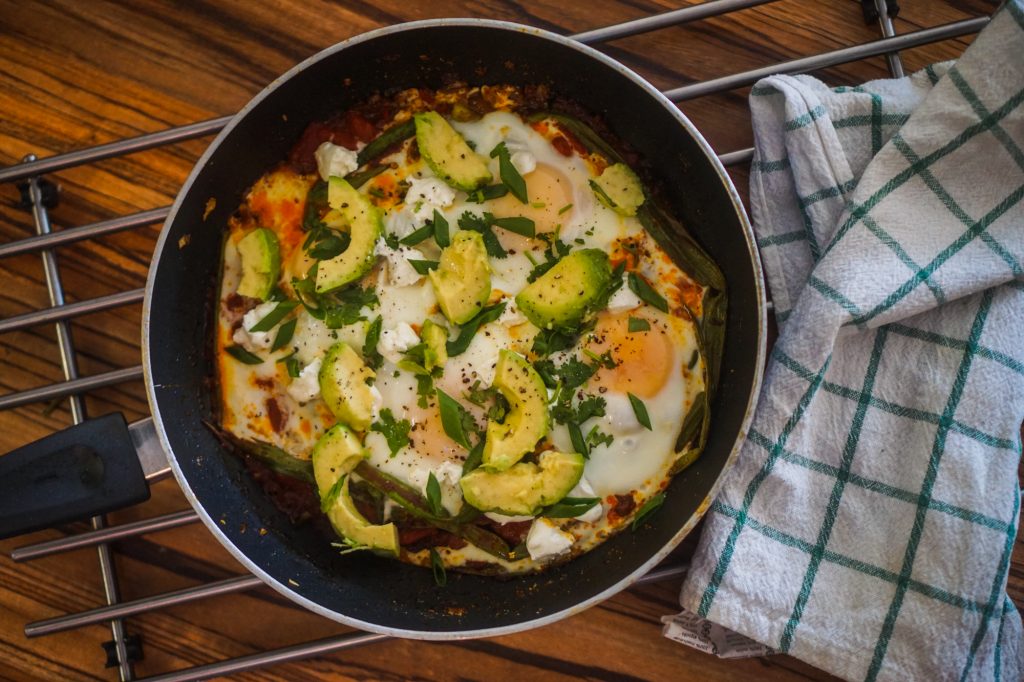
point(391, 241)
point(603, 360)
point(640, 410)
point(693, 359)
point(469, 329)
point(395, 432)
point(349, 545)
point(482, 224)
point(376, 192)
point(440, 226)
point(416, 236)
point(474, 458)
point(456, 420)
point(556, 250)
point(646, 292)
point(293, 367)
point(579, 443)
point(489, 398)
point(316, 206)
point(565, 208)
point(487, 193)
point(423, 266)
point(575, 373)
point(590, 406)
point(331, 246)
point(434, 496)
point(284, 335)
point(538, 204)
point(519, 225)
point(274, 316)
point(597, 437)
point(649, 507)
point(243, 356)
point(638, 324)
point(550, 341)
point(437, 564)
point(348, 304)
point(370, 354)
point(570, 507)
point(387, 139)
point(599, 191)
point(509, 175)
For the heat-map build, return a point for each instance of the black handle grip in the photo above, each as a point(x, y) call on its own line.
point(83, 471)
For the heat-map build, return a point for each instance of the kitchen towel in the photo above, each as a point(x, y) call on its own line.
point(867, 525)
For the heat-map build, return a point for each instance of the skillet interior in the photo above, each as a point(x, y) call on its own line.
point(363, 590)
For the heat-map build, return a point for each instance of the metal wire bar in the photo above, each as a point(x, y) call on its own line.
point(64, 312)
point(110, 534)
point(885, 22)
point(111, 591)
point(826, 59)
point(129, 608)
point(737, 157)
point(72, 387)
point(665, 19)
point(323, 647)
point(320, 647)
point(105, 151)
point(90, 231)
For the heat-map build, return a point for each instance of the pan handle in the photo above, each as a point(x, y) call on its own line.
point(89, 469)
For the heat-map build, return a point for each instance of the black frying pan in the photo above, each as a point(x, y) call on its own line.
point(360, 589)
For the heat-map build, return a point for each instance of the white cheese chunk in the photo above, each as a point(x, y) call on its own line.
point(546, 540)
point(334, 160)
point(400, 272)
point(255, 341)
point(511, 315)
point(427, 194)
point(306, 386)
point(524, 162)
point(396, 340)
point(623, 299)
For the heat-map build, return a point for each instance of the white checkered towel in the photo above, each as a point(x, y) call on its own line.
point(868, 523)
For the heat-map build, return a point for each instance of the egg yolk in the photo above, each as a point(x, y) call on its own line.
point(549, 191)
point(428, 438)
point(643, 359)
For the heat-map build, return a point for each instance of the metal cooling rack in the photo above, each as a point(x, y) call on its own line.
point(39, 195)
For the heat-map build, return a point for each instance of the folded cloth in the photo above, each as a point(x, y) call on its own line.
point(868, 523)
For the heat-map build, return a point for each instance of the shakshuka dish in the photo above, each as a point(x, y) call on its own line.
point(455, 328)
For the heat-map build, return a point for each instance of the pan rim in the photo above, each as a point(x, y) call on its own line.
point(529, 623)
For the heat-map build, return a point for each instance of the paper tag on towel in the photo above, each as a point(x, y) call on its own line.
point(703, 635)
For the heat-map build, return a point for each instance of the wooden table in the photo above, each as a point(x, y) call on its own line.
point(76, 74)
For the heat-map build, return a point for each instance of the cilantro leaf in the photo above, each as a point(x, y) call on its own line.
point(396, 432)
point(509, 175)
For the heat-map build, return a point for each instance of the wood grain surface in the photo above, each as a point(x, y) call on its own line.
point(76, 74)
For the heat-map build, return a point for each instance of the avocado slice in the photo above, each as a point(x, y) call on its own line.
point(365, 223)
point(567, 293)
point(436, 339)
point(343, 377)
point(527, 420)
point(525, 488)
point(619, 189)
point(336, 453)
point(261, 263)
point(348, 522)
point(448, 155)
point(462, 280)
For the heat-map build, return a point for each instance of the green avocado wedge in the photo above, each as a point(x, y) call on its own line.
point(261, 263)
point(565, 295)
point(448, 155)
point(462, 280)
point(348, 522)
point(343, 386)
point(524, 488)
point(365, 223)
point(527, 420)
point(336, 453)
